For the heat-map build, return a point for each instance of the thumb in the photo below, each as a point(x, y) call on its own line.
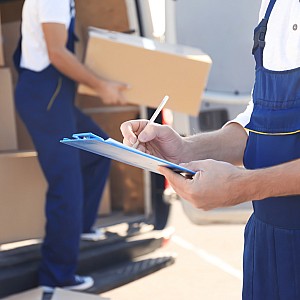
point(149, 133)
point(174, 179)
point(193, 165)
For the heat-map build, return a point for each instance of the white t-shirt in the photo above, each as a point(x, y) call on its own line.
point(282, 50)
point(35, 12)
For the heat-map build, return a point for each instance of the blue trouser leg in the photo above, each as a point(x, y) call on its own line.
point(62, 167)
point(95, 170)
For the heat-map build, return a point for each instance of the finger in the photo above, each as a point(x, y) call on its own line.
point(152, 131)
point(126, 142)
point(194, 165)
point(175, 179)
point(130, 129)
point(122, 99)
point(141, 147)
point(178, 182)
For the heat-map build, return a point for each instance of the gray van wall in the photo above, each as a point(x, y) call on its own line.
point(224, 30)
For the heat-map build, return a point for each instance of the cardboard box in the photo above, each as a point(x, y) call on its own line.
point(152, 69)
point(1, 45)
point(11, 35)
point(11, 10)
point(106, 14)
point(33, 294)
point(105, 204)
point(8, 134)
point(59, 294)
point(11, 14)
point(23, 188)
point(126, 182)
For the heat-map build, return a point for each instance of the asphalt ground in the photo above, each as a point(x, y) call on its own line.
point(208, 259)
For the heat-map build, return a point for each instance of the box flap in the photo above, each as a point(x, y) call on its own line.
point(34, 294)
point(60, 294)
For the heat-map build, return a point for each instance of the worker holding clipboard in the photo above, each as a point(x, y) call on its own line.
point(265, 139)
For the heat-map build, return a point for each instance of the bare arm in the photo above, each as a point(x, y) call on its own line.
point(67, 63)
point(280, 180)
point(221, 184)
point(227, 144)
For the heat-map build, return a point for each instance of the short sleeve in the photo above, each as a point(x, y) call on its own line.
point(54, 11)
point(243, 118)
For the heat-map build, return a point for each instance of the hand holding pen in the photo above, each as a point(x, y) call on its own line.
point(154, 116)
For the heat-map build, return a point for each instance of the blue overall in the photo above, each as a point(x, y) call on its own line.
point(45, 102)
point(272, 235)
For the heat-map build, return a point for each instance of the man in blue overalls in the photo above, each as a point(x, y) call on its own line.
point(44, 97)
point(269, 149)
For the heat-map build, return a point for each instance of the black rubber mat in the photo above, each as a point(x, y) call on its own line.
point(127, 272)
point(123, 273)
point(19, 267)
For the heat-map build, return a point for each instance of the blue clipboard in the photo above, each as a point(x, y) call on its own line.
point(115, 150)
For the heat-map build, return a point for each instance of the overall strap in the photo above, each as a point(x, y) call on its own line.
point(72, 8)
point(260, 32)
point(269, 9)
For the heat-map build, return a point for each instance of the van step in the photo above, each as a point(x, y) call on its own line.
point(126, 272)
point(19, 267)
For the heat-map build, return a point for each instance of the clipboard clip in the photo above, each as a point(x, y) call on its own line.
point(84, 136)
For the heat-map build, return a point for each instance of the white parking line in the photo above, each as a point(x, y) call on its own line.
point(212, 259)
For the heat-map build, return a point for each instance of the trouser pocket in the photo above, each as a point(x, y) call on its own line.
point(55, 94)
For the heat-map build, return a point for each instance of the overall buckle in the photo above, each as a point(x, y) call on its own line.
point(259, 35)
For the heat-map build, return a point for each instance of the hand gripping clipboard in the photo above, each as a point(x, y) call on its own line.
point(115, 150)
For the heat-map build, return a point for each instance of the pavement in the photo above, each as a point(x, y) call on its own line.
point(208, 259)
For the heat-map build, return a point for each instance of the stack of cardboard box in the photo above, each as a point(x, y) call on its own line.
point(151, 68)
point(8, 133)
point(126, 182)
point(58, 294)
point(22, 183)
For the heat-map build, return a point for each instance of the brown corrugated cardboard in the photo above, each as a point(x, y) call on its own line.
point(11, 10)
point(1, 45)
point(152, 69)
point(105, 205)
point(107, 14)
point(22, 201)
point(126, 182)
point(34, 294)
point(8, 135)
point(22, 208)
point(11, 35)
point(60, 294)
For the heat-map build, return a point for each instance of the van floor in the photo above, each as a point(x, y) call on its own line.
point(113, 262)
point(118, 217)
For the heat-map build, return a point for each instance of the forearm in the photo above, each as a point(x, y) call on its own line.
point(68, 64)
point(227, 144)
point(280, 180)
